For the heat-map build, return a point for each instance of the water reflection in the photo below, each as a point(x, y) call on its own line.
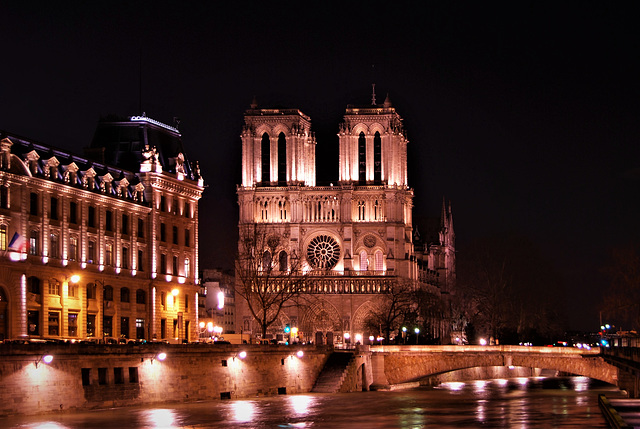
point(159, 418)
point(300, 404)
point(243, 411)
point(517, 402)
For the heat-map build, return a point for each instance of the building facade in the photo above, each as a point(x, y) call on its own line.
point(350, 238)
point(100, 246)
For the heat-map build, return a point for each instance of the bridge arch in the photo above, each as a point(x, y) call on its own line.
point(405, 364)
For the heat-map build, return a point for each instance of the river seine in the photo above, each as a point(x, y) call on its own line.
point(567, 402)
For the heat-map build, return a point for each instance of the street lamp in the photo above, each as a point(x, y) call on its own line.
point(404, 335)
point(417, 331)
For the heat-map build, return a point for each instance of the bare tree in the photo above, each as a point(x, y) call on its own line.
point(622, 300)
point(268, 274)
point(393, 307)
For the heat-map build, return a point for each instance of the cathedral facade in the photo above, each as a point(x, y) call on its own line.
point(349, 239)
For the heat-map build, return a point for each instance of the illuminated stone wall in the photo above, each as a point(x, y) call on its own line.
point(93, 376)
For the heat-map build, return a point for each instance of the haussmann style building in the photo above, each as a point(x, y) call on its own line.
point(101, 246)
point(350, 238)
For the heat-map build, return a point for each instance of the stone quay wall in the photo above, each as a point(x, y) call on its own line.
point(101, 376)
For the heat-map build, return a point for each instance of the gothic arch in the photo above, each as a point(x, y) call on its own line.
point(321, 316)
point(262, 129)
point(360, 316)
point(376, 126)
point(359, 128)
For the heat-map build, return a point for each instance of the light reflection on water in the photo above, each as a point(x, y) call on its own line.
point(517, 402)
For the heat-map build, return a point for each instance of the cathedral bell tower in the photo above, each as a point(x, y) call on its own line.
point(373, 147)
point(278, 148)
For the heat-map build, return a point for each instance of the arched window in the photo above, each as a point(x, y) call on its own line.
point(33, 285)
point(377, 158)
point(364, 262)
point(125, 295)
point(376, 210)
point(141, 297)
point(108, 293)
point(362, 158)
point(360, 210)
point(265, 155)
point(378, 258)
point(266, 260)
point(282, 159)
point(283, 261)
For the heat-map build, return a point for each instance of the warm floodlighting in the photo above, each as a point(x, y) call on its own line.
point(242, 354)
point(347, 336)
point(300, 353)
point(74, 278)
point(161, 356)
point(175, 292)
point(201, 324)
point(220, 300)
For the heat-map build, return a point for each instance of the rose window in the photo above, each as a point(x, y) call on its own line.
point(323, 252)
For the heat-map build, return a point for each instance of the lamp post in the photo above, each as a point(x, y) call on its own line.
point(417, 331)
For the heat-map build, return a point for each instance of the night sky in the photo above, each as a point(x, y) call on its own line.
point(524, 116)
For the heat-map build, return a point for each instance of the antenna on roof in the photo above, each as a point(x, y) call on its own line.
point(373, 85)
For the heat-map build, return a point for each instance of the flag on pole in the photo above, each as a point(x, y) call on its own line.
point(18, 243)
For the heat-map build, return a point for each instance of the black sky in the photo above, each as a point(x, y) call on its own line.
point(524, 115)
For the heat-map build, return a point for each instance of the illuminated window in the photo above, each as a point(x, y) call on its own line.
point(73, 248)
point(379, 264)
point(72, 324)
point(364, 263)
point(108, 256)
point(186, 267)
point(54, 323)
point(3, 237)
point(54, 287)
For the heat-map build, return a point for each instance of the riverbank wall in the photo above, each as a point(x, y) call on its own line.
point(89, 376)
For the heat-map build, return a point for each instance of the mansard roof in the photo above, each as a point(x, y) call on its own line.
point(122, 141)
point(29, 157)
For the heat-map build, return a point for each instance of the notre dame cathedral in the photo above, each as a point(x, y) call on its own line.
point(351, 237)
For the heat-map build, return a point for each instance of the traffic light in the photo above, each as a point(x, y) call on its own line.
point(287, 329)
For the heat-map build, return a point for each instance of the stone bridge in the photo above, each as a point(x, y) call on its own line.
point(395, 365)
